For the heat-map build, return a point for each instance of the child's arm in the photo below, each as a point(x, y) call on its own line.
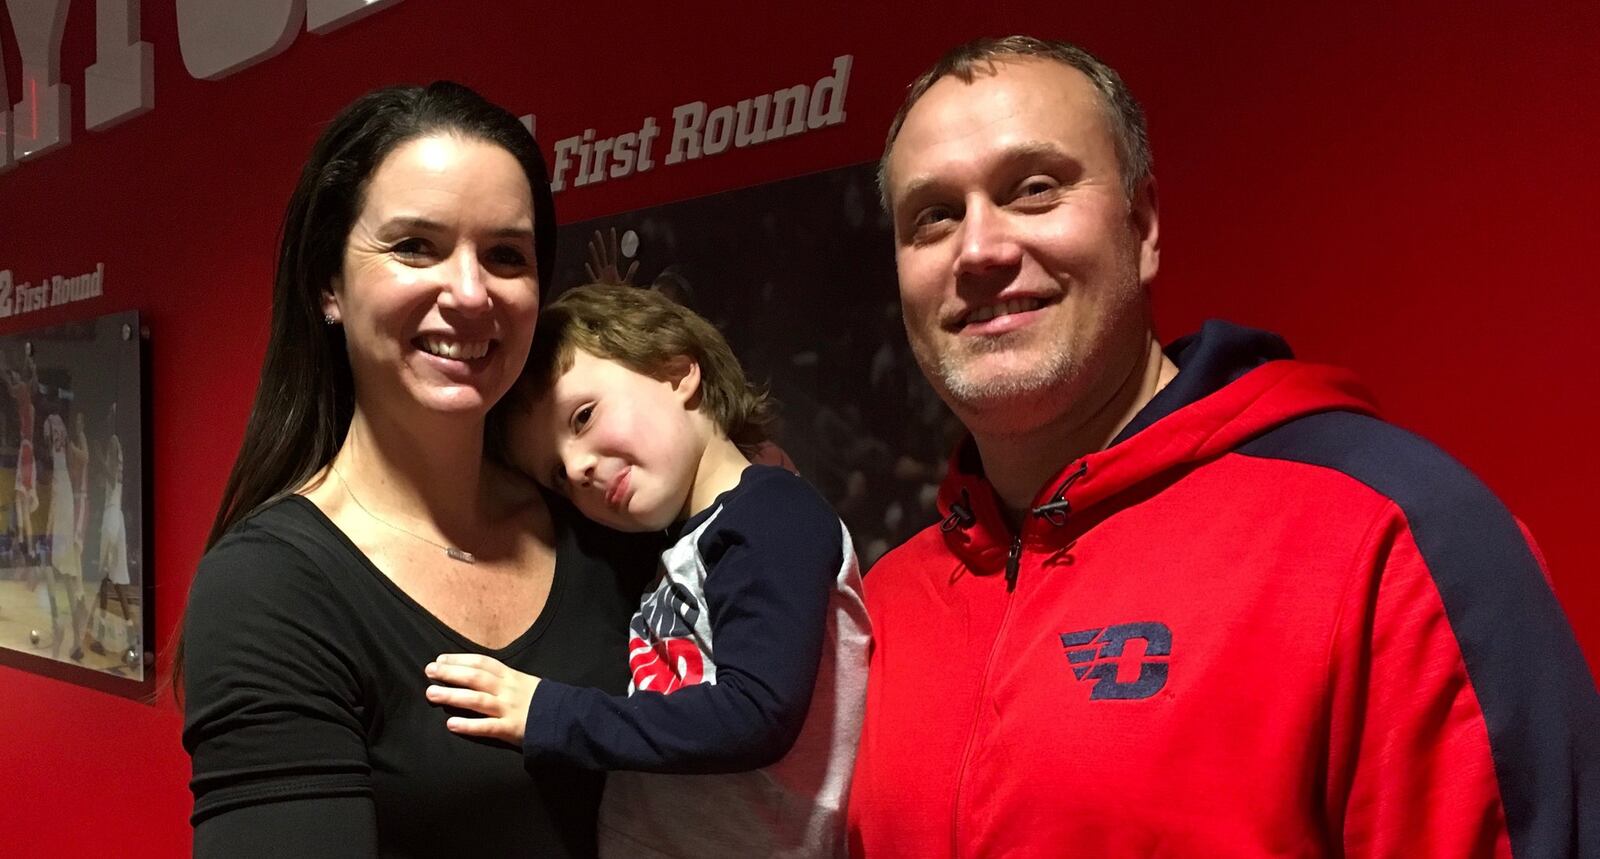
point(776, 563)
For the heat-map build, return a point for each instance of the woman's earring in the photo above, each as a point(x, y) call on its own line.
point(327, 319)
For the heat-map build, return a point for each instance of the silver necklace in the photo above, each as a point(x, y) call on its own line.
point(455, 554)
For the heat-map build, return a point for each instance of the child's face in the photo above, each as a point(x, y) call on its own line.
point(622, 446)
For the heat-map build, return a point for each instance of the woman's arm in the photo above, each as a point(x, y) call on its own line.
point(271, 708)
point(297, 829)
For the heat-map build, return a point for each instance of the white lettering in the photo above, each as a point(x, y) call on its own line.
point(833, 85)
point(215, 37)
point(53, 290)
point(719, 130)
point(752, 125)
point(647, 135)
point(121, 84)
point(602, 148)
point(31, 298)
point(220, 37)
point(622, 150)
point(325, 16)
point(565, 148)
point(65, 290)
point(585, 149)
point(686, 122)
point(790, 103)
point(700, 129)
point(42, 120)
point(603, 158)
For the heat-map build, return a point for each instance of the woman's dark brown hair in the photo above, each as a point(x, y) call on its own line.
point(306, 396)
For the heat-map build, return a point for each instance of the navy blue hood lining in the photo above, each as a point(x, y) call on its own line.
point(1208, 360)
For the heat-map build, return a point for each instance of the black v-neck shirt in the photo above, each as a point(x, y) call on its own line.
point(304, 707)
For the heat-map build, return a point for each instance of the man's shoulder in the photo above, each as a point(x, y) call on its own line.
point(1473, 548)
point(1414, 473)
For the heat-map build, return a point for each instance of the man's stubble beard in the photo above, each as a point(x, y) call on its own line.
point(1064, 376)
point(967, 389)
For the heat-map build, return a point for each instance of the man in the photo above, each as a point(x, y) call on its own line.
point(1192, 603)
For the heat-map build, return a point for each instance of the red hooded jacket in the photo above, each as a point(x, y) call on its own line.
point(1261, 623)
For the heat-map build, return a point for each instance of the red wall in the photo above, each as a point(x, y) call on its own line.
point(1403, 190)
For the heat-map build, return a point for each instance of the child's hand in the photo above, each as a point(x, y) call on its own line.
point(486, 686)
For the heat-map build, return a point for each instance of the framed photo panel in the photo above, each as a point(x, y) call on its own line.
point(74, 586)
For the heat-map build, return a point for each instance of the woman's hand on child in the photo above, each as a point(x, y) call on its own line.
point(483, 684)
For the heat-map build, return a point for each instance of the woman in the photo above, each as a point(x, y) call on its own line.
point(25, 497)
point(362, 532)
point(113, 540)
point(66, 566)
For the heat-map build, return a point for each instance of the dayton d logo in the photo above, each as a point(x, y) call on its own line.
point(1096, 654)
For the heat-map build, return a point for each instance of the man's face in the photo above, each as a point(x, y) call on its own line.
point(1022, 262)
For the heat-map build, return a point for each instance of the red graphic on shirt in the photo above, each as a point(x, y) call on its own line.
point(666, 665)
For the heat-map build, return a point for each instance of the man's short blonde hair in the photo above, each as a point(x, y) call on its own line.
point(966, 61)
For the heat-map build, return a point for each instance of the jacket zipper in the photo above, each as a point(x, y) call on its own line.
point(1055, 511)
point(1013, 563)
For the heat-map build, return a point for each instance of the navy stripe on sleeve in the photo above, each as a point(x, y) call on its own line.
point(1533, 685)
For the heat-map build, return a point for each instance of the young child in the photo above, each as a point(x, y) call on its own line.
point(749, 656)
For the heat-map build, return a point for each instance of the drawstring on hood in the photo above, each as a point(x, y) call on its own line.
point(1056, 510)
point(960, 514)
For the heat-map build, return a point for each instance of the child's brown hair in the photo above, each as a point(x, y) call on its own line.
point(645, 332)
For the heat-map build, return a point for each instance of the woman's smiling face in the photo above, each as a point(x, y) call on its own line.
point(439, 288)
